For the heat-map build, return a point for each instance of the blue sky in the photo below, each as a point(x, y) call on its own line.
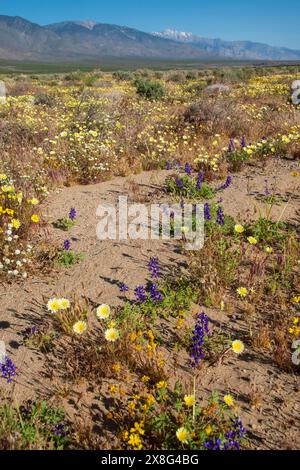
point(275, 22)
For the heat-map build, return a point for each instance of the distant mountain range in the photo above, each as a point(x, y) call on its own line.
point(242, 50)
point(21, 39)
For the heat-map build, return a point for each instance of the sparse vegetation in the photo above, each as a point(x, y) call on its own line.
point(164, 345)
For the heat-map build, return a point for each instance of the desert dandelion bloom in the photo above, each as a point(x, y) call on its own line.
point(80, 327)
point(252, 240)
point(64, 304)
point(53, 305)
point(238, 347)
point(242, 291)
point(112, 335)
point(34, 201)
point(239, 229)
point(182, 435)
point(162, 384)
point(16, 223)
point(35, 218)
point(189, 400)
point(228, 400)
point(103, 312)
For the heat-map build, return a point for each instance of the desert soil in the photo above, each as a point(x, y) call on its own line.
point(275, 422)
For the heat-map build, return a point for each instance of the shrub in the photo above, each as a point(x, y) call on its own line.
point(122, 76)
point(44, 99)
point(32, 426)
point(149, 89)
point(67, 258)
point(177, 77)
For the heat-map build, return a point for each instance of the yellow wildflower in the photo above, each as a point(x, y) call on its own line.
point(103, 312)
point(111, 335)
point(64, 304)
point(182, 435)
point(242, 291)
point(239, 229)
point(161, 384)
point(189, 400)
point(53, 305)
point(80, 327)
point(228, 400)
point(35, 218)
point(238, 347)
point(208, 430)
point(16, 223)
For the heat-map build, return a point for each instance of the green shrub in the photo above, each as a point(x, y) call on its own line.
point(149, 89)
point(32, 426)
point(178, 77)
point(67, 258)
point(122, 76)
point(44, 99)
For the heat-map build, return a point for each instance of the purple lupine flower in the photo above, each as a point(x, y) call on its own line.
point(67, 245)
point(264, 138)
point(235, 435)
point(231, 145)
point(140, 294)
point(267, 191)
point(199, 333)
point(7, 369)
point(207, 211)
point(200, 180)
point(59, 430)
point(154, 268)
point(33, 330)
point(220, 216)
point(187, 169)
point(233, 438)
point(155, 295)
point(226, 184)
point(243, 143)
point(182, 204)
point(168, 165)
point(123, 287)
point(26, 410)
point(213, 444)
point(72, 214)
point(179, 182)
point(238, 428)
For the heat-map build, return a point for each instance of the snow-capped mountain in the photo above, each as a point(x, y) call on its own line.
point(176, 35)
point(245, 50)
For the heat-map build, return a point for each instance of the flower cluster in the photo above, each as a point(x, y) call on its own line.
point(56, 304)
point(140, 294)
point(154, 268)
point(232, 440)
point(18, 218)
point(8, 369)
point(199, 334)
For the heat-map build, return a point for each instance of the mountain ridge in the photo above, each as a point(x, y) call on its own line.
point(241, 49)
point(21, 39)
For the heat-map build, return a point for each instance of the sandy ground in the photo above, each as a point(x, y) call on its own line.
point(276, 423)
